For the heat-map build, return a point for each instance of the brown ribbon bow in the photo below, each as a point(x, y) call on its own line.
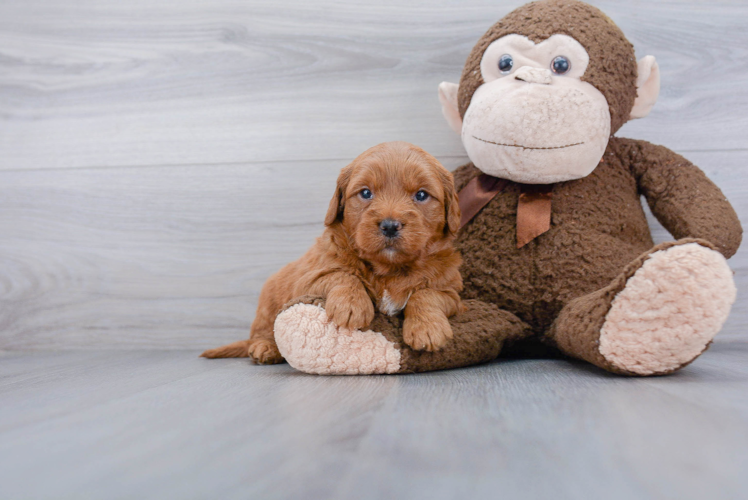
point(533, 207)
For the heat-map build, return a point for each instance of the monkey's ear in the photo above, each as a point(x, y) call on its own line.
point(335, 210)
point(450, 110)
point(647, 87)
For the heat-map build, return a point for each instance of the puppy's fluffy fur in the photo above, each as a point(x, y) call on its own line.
point(388, 241)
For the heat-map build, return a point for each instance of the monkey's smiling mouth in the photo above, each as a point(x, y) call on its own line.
point(527, 147)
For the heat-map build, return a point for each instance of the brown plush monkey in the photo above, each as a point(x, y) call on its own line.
point(556, 248)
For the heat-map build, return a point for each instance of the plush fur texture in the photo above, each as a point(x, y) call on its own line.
point(669, 310)
point(598, 227)
point(560, 140)
point(577, 328)
point(409, 265)
point(313, 344)
point(612, 66)
point(531, 125)
point(593, 286)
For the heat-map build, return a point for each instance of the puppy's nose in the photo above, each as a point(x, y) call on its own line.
point(390, 227)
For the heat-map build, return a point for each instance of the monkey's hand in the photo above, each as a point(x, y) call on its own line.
point(349, 307)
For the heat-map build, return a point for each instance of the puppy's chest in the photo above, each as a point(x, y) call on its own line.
point(391, 294)
point(392, 303)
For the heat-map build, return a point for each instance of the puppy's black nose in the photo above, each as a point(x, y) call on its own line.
point(390, 227)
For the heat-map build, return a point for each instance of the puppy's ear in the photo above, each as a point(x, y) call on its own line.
point(452, 212)
point(337, 203)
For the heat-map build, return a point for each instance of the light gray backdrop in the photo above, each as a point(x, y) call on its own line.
point(160, 159)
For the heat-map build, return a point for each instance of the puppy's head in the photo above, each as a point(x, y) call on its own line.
point(395, 201)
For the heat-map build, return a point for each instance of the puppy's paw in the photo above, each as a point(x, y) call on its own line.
point(349, 308)
point(427, 334)
point(264, 352)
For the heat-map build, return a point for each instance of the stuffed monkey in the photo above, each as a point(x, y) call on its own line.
point(557, 251)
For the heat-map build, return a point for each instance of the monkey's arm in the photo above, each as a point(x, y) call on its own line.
point(681, 196)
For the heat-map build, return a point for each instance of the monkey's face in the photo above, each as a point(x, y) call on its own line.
point(534, 120)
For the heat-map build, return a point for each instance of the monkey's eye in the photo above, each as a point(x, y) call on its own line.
point(366, 194)
point(505, 63)
point(421, 196)
point(560, 65)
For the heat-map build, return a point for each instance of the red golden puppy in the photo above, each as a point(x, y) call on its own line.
point(388, 242)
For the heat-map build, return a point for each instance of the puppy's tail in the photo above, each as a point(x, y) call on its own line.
point(238, 349)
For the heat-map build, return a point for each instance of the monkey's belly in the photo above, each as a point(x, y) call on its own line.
point(537, 280)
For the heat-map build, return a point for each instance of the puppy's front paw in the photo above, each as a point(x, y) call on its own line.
point(427, 335)
point(264, 352)
point(349, 308)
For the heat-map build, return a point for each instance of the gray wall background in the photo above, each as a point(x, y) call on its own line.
point(160, 159)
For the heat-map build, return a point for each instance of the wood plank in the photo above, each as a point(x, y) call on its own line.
point(175, 426)
point(162, 82)
point(175, 257)
point(57, 381)
point(551, 430)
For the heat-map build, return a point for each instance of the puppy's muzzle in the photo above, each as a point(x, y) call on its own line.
point(390, 228)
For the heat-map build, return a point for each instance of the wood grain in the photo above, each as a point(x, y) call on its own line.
point(144, 424)
point(161, 82)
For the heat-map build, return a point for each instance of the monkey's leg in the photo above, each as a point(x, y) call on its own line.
point(660, 314)
point(313, 344)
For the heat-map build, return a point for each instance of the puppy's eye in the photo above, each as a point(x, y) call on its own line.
point(366, 194)
point(560, 65)
point(421, 196)
point(505, 63)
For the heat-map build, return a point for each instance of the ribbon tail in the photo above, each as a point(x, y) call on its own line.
point(477, 194)
point(533, 213)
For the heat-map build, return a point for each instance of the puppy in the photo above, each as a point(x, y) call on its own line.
point(388, 241)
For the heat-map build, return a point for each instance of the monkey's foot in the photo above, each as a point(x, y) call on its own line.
point(668, 311)
point(312, 343)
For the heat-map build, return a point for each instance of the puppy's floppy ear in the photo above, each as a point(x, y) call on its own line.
point(452, 212)
point(337, 203)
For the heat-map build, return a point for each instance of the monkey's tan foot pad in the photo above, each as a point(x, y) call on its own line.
point(669, 310)
point(312, 343)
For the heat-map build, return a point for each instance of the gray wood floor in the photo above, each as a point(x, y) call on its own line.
point(166, 424)
point(160, 159)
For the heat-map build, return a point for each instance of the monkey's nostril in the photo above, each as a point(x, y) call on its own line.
point(390, 227)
